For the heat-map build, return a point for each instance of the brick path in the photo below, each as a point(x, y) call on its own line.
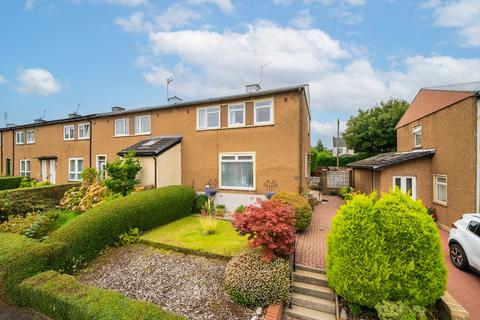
point(312, 244)
point(463, 286)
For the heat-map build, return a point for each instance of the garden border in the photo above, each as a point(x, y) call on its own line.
point(170, 247)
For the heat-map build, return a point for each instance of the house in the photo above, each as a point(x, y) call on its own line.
point(242, 145)
point(438, 153)
point(340, 147)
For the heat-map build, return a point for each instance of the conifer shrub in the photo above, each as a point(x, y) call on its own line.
point(303, 210)
point(385, 249)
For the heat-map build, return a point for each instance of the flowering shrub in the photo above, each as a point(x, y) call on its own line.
point(252, 282)
point(122, 173)
point(270, 226)
point(303, 210)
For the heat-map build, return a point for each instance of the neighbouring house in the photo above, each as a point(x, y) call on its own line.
point(243, 145)
point(438, 159)
point(340, 147)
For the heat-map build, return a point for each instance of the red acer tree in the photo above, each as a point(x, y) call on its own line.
point(269, 225)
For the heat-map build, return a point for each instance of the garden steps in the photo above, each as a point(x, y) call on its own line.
point(312, 299)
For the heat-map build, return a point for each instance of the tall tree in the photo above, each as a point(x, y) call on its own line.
point(373, 130)
point(320, 146)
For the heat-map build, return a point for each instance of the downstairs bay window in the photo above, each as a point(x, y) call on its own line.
point(237, 171)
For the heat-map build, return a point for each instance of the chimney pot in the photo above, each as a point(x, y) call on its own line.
point(117, 109)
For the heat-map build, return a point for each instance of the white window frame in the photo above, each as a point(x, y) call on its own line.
point(18, 134)
point(206, 117)
point(272, 113)
point(98, 162)
point(32, 134)
point(65, 138)
point(417, 129)
point(25, 172)
point(435, 184)
point(83, 125)
point(78, 175)
point(241, 104)
point(127, 128)
point(403, 183)
point(138, 120)
point(236, 154)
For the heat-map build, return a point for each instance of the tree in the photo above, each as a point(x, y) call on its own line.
point(122, 173)
point(373, 130)
point(320, 146)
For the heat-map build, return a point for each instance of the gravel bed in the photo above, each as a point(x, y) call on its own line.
point(184, 284)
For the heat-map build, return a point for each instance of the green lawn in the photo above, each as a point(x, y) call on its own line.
point(186, 235)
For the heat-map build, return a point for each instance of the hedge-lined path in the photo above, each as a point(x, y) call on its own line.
point(311, 248)
point(8, 312)
point(463, 286)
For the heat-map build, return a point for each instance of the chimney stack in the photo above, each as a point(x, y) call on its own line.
point(73, 115)
point(117, 109)
point(174, 100)
point(252, 88)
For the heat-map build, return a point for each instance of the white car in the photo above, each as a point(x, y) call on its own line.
point(464, 242)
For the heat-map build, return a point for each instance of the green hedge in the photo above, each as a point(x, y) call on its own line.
point(325, 159)
point(24, 200)
point(63, 297)
point(10, 182)
point(79, 241)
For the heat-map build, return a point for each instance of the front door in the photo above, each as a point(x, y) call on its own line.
point(101, 165)
point(408, 184)
point(44, 170)
point(8, 167)
point(52, 171)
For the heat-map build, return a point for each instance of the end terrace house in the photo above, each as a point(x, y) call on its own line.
point(438, 157)
point(241, 145)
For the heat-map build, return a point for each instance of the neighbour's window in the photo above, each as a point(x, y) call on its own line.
point(75, 168)
point(25, 168)
point(237, 171)
point(440, 189)
point(208, 118)
point(142, 125)
point(121, 127)
point(20, 137)
point(417, 136)
point(31, 136)
point(68, 132)
point(84, 131)
point(408, 185)
point(263, 112)
point(236, 115)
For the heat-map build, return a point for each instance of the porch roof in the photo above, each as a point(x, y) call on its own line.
point(153, 146)
point(383, 160)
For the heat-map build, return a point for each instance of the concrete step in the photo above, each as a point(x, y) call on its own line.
point(306, 268)
point(315, 303)
point(310, 277)
point(313, 290)
point(302, 313)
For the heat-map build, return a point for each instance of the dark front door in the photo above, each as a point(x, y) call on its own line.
point(8, 167)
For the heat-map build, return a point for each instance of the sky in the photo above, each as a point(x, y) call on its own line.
point(63, 55)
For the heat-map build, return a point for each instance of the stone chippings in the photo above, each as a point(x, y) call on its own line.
point(183, 284)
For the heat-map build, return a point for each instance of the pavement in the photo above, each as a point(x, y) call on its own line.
point(463, 286)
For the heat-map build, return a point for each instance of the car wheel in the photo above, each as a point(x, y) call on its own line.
point(458, 256)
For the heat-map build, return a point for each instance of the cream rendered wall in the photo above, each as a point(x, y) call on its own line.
point(147, 173)
point(169, 167)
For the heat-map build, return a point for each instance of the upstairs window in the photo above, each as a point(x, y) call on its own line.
point(208, 118)
point(121, 127)
point(75, 168)
point(68, 132)
point(440, 189)
point(142, 125)
point(31, 136)
point(84, 131)
point(417, 136)
point(236, 115)
point(237, 171)
point(20, 137)
point(263, 112)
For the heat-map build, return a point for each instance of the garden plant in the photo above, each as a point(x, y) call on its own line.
point(303, 210)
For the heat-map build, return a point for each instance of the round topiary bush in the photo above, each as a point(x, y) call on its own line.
point(252, 282)
point(385, 250)
point(303, 210)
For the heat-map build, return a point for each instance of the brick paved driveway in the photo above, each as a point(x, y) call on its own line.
point(312, 244)
point(463, 286)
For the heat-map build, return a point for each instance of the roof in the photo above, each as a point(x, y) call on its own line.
point(383, 160)
point(153, 146)
point(339, 142)
point(172, 105)
point(431, 100)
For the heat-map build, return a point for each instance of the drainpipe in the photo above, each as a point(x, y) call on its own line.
point(155, 166)
point(300, 175)
point(1, 153)
point(373, 180)
point(477, 204)
point(13, 153)
point(90, 143)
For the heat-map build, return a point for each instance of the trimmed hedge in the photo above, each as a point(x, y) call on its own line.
point(24, 200)
point(10, 182)
point(79, 241)
point(63, 297)
point(303, 210)
point(385, 250)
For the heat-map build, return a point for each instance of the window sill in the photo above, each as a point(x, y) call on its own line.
point(88, 138)
point(121, 135)
point(237, 127)
point(259, 124)
point(237, 189)
point(68, 139)
point(444, 204)
point(143, 134)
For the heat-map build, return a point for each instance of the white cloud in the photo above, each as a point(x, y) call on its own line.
point(326, 130)
point(134, 23)
point(128, 3)
point(282, 2)
point(2, 80)
point(37, 82)
point(29, 4)
point(462, 15)
point(352, 3)
point(176, 15)
point(303, 20)
point(225, 5)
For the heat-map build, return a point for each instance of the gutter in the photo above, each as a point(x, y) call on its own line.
point(477, 202)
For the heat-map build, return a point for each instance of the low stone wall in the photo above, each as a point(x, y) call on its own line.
point(274, 312)
point(449, 309)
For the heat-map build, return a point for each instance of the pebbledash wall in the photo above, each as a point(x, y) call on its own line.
point(280, 147)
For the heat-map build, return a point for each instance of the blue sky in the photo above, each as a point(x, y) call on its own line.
point(55, 55)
